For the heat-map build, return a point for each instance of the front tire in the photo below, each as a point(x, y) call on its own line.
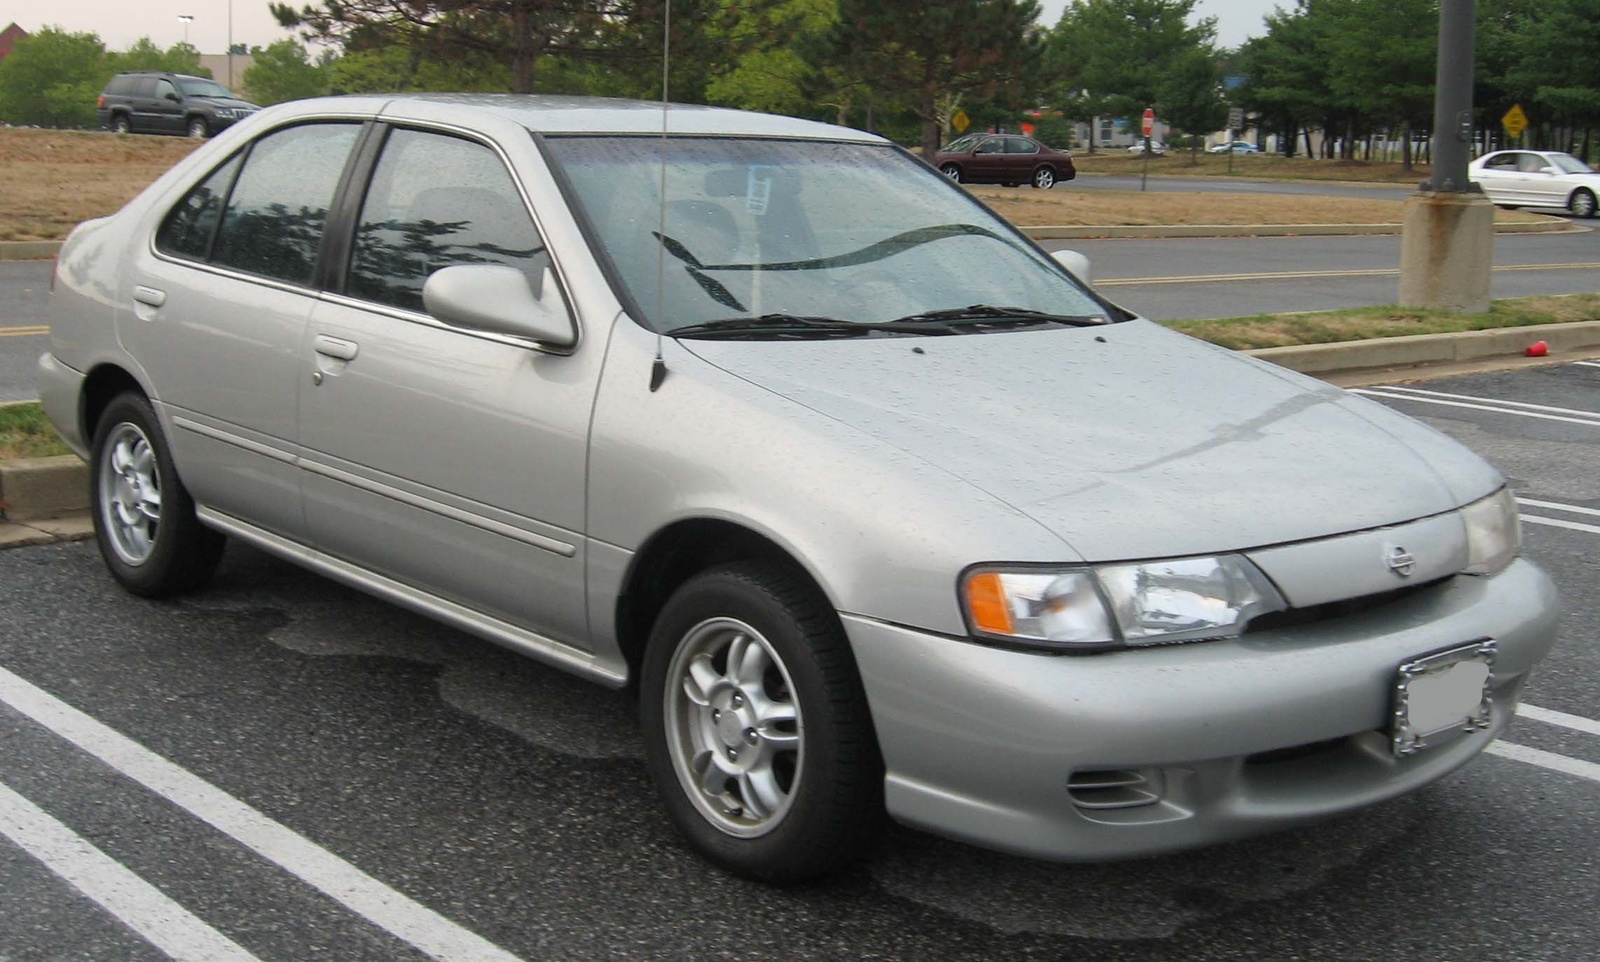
point(1044, 178)
point(144, 519)
point(756, 728)
point(1582, 203)
point(198, 128)
point(951, 171)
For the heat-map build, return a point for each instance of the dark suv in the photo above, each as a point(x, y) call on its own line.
point(153, 102)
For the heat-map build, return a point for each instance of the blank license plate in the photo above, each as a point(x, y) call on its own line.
point(1441, 696)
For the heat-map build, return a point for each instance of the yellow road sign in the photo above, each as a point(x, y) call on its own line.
point(960, 121)
point(1515, 121)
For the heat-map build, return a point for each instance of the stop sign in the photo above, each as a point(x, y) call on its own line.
point(1149, 124)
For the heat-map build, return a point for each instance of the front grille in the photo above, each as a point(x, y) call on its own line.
point(1294, 617)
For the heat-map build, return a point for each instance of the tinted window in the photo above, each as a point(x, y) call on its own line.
point(188, 229)
point(1021, 145)
point(274, 221)
point(1531, 163)
point(436, 201)
point(144, 87)
point(1502, 162)
point(994, 145)
point(165, 87)
point(120, 85)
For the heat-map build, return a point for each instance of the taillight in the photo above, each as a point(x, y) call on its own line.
point(100, 102)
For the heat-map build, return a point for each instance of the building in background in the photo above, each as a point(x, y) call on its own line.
point(9, 38)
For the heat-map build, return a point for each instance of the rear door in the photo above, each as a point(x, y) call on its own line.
point(216, 311)
point(450, 460)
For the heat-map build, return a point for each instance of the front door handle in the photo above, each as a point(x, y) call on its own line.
point(149, 295)
point(335, 347)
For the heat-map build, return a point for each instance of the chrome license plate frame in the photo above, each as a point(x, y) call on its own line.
point(1442, 696)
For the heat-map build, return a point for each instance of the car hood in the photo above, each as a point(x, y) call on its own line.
point(1130, 440)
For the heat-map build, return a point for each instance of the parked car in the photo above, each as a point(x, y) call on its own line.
point(156, 102)
point(1009, 159)
point(1237, 146)
point(1156, 147)
point(1537, 178)
point(834, 467)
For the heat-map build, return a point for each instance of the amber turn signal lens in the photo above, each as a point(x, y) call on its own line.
point(986, 602)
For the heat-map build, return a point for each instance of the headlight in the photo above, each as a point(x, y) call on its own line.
point(1148, 603)
point(1494, 535)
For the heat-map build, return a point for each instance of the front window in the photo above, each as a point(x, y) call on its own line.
point(1568, 164)
point(859, 233)
point(195, 87)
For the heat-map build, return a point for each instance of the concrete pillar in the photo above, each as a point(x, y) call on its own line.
point(1447, 251)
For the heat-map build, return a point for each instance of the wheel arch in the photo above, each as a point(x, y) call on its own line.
point(677, 553)
point(103, 384)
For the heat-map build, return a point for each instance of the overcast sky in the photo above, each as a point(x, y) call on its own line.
point(121, 22)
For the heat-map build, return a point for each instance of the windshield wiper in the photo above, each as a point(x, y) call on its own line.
point(805, 325)
point(985, 315)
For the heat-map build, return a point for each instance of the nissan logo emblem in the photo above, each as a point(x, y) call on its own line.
point(1399, 561)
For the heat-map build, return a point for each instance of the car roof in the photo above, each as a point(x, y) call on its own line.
point(557, 114)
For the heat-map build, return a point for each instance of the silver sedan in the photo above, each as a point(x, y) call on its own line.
point(877, 506)
point(1537, 178)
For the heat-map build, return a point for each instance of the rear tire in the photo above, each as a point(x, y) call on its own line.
point(1044, 178)
point(144, 519)
point(120, 124)
point(1582, 203)
point(756, 728)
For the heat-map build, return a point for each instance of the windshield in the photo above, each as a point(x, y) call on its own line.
point(203, 88)
point(754, 229)
point(1568, 164)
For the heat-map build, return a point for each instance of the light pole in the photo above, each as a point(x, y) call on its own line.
point(230, 44)
point(185, 19)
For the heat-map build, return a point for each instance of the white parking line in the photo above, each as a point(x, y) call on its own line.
point(1593, 419)
point(134, 902)
point(1561, 523)
point(426, 930)
point(1499, 402)
point(1544, 759)
point(1587, 363)
point(1558, 506)
point(1577, 723)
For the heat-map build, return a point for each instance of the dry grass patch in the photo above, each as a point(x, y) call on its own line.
point(1252, 167)
point(1065, 207)
point(1280, 330)
point(52, 180)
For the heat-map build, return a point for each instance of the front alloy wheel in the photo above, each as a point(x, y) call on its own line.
point(733, 727)
point(756, 727)
point(1582, 203)
point(951, 171)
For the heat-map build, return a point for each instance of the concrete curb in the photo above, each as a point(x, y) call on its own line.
point(35, 489)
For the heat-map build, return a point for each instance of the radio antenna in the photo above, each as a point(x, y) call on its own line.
point(658, 368)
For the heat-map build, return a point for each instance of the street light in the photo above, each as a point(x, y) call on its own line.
point(185, 19)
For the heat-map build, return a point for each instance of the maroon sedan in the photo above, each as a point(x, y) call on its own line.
point(1008, 159)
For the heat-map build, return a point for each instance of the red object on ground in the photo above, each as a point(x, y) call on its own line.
point(1537, 349)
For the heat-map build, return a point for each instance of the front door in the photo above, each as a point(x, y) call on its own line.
point(450, 460)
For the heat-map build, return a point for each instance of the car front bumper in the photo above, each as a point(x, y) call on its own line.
point(1231, 738)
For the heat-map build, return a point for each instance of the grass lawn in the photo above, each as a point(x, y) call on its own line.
point(1179, 163)
point(26, 433)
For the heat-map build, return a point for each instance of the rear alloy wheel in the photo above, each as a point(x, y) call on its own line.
point(144, 519)
point(1044, 178)
point(198, 128)
point(951, 171)
point(120, 124)
point(756, 729)
point(1582, 203)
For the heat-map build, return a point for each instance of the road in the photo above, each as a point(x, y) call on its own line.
point(281, 769)
point(1229, 185)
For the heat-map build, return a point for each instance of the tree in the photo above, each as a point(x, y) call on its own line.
point(52, 79)
point(284, 71)
point(181, 58)
point(764, 63)
point(1122, 56)
point(913, 52)
point(518, 33)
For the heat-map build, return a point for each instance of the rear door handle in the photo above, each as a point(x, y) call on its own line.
point(149, 295)
point(335, 347)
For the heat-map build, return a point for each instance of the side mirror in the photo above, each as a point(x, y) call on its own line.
point(1076, 263)
point(172, 96)
point(1547, 170)
point(500, 300)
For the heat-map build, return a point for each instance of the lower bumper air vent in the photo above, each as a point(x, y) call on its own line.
point(1114, 788)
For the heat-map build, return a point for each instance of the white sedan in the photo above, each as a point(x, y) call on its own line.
point(1537, 178)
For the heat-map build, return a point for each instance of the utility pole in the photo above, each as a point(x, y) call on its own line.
point(1447, 248)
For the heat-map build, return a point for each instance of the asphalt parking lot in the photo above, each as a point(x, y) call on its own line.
point(281, 769)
